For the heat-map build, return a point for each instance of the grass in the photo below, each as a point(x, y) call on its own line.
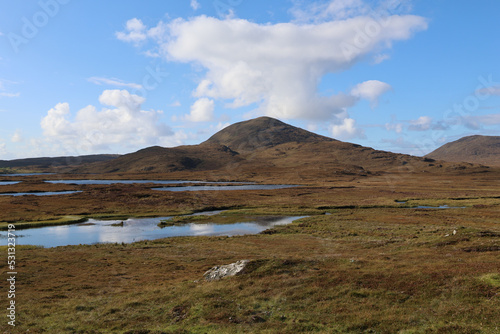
point(371, 266)
point(377, 270)
point(66, 220)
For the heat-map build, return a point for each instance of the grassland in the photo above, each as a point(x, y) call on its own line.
point(372, 265)
point(378, 270)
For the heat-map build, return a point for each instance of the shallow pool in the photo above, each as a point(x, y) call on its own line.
point(237, 187)
point(42, 193)
point(136, 229)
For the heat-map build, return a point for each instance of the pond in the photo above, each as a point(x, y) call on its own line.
point(437, 207)
point(107, 182)
point(42, 193)
point(135, 229)
point(26, 174)
point(240, 187)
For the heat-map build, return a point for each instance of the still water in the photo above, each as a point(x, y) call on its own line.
point(240, 187)
point(6, 183)
point(135, 229)
point(125, 181)
point(43, 193)
point(26, 174)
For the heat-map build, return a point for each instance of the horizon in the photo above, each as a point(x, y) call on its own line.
point(50, 157)
point(399, 76)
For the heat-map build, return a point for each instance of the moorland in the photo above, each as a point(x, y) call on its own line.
point(366, 259)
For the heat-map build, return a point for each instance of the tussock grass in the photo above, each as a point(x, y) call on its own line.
point(66, 220)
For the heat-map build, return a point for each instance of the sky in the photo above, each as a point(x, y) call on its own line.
point(88, 77)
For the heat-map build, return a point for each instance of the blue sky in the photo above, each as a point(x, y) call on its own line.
point(85, 77)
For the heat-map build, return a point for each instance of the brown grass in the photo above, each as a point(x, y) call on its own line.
point(372, 266)
point(355, 271)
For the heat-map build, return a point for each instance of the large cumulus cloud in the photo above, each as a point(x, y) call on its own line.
point(120, 122)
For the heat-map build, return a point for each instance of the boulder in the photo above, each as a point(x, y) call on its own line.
point(219, 272)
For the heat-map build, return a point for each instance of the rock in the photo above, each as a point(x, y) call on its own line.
point(219, 272)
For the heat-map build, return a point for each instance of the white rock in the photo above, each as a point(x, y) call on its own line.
point(219, 272)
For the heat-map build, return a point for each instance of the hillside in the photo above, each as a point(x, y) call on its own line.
point(161, 159)
point(266, 146)
point(262, 132)
point(474, 149)
point(45, 163)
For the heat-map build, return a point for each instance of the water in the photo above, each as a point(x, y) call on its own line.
point(431, 207)
point(45, 193)
point(107, 182)
point(6, 183)
point(438, 207)
point(26, 174)
point(135, 229)
point(241, 187)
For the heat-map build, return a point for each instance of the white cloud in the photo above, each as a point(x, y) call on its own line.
point(201, 111)
point(17, 137)
point(175, 104)
point(113, 82)
point(346, 130)
point(278, 66)
point(379, 58)
point(5, 94)
point(195, 4)
point(402, 146)
point(398, 127)
point(493, 90)
point(3, 89)
point(327, 10)
point(321, 11)
point(135, 32)
point(477, 122)
point(423, 123)
point(371, 90)
point(124, 124)
point(3, 148)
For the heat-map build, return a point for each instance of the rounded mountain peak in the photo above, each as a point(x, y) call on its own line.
point(262, 132)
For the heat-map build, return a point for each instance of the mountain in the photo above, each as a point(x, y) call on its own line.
point(474, 149)
point(160, 159)
point(45, 163)
point(262, 132)
point(266, 146)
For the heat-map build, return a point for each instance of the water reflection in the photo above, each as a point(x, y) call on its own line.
point(107, 182)
point(240, 187)
point(44, 193)
point(136, 229)
point(26, 174)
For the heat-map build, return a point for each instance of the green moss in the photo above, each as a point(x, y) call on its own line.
point(492, 279)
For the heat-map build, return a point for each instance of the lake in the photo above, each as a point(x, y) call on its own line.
point(107, 182)
point(136, 229)
point(26, 174)
point(42, 193)
point(240, 187)
point(6, 183)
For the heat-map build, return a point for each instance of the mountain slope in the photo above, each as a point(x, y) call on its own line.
point(266, 146)
point(474, 149)
point(262, 132)
point(161, 159)
point(57, 161)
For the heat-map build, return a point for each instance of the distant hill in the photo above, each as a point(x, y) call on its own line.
point(265, 146)
point(161, 159)
point(474, 149)
point(45, 163)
